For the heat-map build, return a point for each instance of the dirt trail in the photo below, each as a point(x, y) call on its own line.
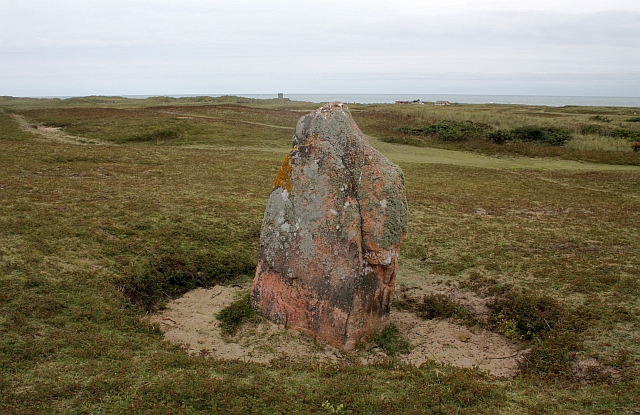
point(54, 133)
point(190, 321)
point(187, 115)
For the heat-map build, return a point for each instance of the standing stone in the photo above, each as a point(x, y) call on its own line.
point(332, 229)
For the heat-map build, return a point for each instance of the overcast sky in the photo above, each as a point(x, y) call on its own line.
point(117, 47)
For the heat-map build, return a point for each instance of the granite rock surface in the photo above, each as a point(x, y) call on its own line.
point(333, 225)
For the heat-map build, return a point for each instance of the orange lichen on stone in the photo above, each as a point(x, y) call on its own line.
point(283, 179)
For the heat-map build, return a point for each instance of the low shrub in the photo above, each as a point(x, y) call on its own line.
point(553, 330)
point(634, 119)
point(500, 136)
point(449, 130)
point(149, 283)
point(236, 314)
point(454, 131)
point(436, 306)
point(391, 341)
point(543, 135)
point(600, 118)
point(523, 317)
point(628, 134)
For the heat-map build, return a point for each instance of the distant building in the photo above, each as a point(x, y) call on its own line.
point(415, 101)
point(442, 103)
point(280, 95)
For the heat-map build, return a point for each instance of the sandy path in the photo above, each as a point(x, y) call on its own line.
point(187, 115)
point(54, 133)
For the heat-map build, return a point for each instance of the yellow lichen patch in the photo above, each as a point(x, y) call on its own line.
point(283, 179)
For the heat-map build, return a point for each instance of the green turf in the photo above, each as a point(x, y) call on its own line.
point(93, 237)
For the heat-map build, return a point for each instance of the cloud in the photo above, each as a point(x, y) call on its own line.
point(169, 47)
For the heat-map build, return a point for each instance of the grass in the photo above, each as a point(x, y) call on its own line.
point(94, 237)
point(591, 142)
point(168, 125)
point(10, 129)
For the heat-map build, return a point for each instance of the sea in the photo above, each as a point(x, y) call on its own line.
point(552, 101)
point(542, 100)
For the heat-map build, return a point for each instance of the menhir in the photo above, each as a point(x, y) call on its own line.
point(332, 229)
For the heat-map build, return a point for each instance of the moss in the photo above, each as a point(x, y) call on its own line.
point(395, 224)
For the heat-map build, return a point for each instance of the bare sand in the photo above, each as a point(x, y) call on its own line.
point(190, 321)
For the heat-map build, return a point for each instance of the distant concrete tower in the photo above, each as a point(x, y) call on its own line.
point(280, 95)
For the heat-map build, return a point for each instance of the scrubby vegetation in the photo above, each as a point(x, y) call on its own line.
point(449, 130)
point(149, 280)
point(553, 136)
point(236, 314)
point(600, 135)
point(436, 306)
point(457, 132)
point(93, 237)
point(391, 341)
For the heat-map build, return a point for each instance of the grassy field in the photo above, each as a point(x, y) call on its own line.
point(598, 134)
point(92, 237)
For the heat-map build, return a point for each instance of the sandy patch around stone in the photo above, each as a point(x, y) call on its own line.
point(190, 321)
point(456, 345)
